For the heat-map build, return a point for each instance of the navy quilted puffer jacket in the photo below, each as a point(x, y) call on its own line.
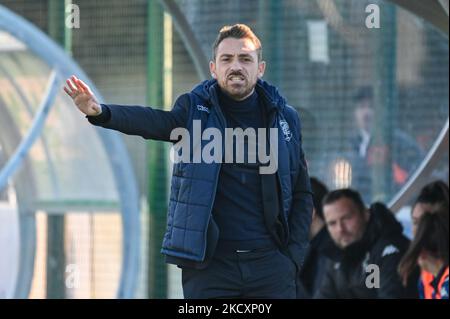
point(191, 233)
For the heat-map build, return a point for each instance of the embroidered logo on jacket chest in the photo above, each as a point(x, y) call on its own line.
point(286, 130)
point(202, 108)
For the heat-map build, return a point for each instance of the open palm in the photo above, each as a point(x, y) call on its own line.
point(82, 96)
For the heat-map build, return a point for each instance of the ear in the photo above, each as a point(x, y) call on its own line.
point(212, 69)
point(261, 68)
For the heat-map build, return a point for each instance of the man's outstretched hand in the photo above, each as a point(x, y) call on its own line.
point(82, 96)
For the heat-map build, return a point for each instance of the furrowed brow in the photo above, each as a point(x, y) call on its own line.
point(245, 55)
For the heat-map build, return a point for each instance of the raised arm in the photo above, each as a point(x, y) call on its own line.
point(146, 122)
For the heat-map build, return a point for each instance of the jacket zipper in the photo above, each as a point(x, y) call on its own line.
point(278, 175)
point(224, 123)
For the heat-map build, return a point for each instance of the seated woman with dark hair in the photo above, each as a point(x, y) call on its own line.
point(432, 198)
point(429, 249)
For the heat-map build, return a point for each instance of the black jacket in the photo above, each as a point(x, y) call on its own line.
point(352, 271)
point(313, 271)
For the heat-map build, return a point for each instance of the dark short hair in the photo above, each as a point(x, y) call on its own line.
point(319, 192)
point(351, 194)
point(435, 193)
point(362, 94)
point(237, 31)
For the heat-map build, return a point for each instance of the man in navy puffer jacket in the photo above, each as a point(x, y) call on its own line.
point(234, 229)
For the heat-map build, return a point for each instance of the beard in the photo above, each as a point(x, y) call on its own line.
point(349, 239)
point(237, 89)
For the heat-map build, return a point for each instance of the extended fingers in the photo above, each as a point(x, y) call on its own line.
point(67, 91)
point(72, 88)
point(75, 80)
point(75, 87)
point(83, 86)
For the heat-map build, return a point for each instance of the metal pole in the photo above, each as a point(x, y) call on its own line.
point(56, 259)
point(270, 22)
point(385, 105)
point(157, 188)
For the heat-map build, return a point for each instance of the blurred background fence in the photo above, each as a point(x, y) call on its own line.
point(65, 227)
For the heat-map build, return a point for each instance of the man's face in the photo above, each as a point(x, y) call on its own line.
point(364, 115)
point(345, 222)
point(236, 67)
